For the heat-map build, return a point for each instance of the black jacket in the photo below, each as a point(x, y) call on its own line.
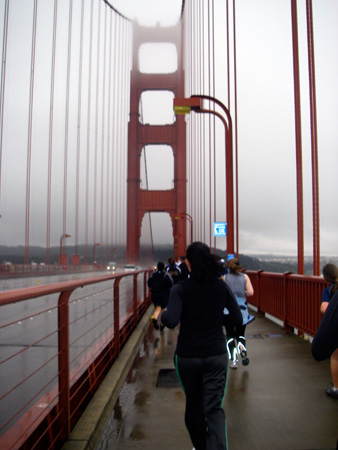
point(199, 309)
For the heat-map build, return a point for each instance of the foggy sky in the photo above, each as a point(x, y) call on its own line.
point(266, 134)
point(266, 131)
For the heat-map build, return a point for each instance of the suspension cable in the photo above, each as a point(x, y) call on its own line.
point(29, 139)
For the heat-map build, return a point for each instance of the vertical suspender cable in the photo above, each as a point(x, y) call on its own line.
point(123, 116)
point(116, 134)
point(228, 52)
point(50, 142)
point(197, 124)
point(194, 143)
point(125, 104)
point(314, 147)
point(96, 120)
point(2, 88)
point(77, 206)
point(65, 179)
point(103, 121)
point(236, 129)
point(214, 118)
point(147, 187)
point(124, 122)
point(109, 147)
point(88, 127)
point(298, 133)
point(191, 117)
point(119, 178)
point(29, 139)
point(200, 120)
point(188, 60)
point(114, 141)
point(209, 93)
point(203, 190)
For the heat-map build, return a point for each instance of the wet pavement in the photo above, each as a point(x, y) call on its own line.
point(276, 403)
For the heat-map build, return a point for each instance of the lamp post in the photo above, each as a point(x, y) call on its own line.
point(189, 218)
point(95, 245)
point(63, 258)
point(194, 103)
point(176, 238)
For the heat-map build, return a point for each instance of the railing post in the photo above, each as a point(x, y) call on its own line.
point(64, 371)
point(259, 272)
point(286, 276)
point(146, 296)
point(145, 279)
point(117, 314)
point(135, 313)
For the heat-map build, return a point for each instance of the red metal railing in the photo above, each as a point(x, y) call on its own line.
point(59, 341)
point(294, 299)
point(57, 344)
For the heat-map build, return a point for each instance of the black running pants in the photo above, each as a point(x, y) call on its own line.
point(204, 384)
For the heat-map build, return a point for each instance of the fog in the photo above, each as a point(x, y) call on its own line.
point(265, 123)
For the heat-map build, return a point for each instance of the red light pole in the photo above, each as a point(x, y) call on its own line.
point(194, 103)
point(63, 259)
point(189, 218)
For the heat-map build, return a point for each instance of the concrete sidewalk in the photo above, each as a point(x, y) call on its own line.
point(276, 403)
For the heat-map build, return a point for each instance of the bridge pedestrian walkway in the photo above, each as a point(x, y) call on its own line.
point(278, 402)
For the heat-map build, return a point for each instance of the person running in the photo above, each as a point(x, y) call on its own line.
point(241, 286)
point(173, 269)
point(183, 268)
point(197, 303)
point(325, 343)
point(330, 274)
point(160, 283)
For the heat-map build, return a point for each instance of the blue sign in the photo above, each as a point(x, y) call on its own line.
point(220, 229)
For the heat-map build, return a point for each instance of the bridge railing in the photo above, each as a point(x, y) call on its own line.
point(293, 299)
point(58, 342)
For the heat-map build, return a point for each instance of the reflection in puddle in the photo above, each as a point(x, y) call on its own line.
point(141, 398)
point(136, 433)
point(133, 395)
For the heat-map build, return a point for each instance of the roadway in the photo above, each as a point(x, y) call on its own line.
point(28, 329)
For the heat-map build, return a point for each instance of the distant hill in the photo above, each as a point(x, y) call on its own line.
point(268, 263)
point(249, 262)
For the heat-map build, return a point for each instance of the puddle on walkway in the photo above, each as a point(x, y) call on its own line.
point(132, 394)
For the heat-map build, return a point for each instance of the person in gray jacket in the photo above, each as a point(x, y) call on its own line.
point(241, 286)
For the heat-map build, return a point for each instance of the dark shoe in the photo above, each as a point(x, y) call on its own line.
point(162, 327)
point(331, 391)
point(241, 349)
point(245, 361)
point(232, 353)
point(155, 324)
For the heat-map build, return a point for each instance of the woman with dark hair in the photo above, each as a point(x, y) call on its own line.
point(197, 303)
point(330, 274)
point(241, 286)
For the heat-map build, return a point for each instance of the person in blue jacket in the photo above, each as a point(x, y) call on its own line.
point(197, 303)
point(325, 342)
point(330, 274)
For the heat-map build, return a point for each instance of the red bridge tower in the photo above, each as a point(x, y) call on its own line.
point(141, 201)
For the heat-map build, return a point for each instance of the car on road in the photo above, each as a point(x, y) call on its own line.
point(111, 266)
point(130, 268)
